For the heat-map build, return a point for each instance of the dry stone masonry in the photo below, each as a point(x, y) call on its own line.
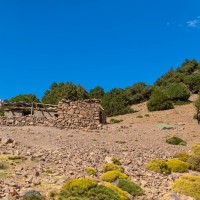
point(68, 114)
point(74, 114)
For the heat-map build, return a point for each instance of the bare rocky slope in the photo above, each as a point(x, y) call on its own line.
point(54, 156)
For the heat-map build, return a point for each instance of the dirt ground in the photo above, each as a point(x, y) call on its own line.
point(139, 138)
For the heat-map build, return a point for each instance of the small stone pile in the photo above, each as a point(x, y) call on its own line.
point(80, 114)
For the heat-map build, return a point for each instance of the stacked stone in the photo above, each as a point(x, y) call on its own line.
point(26, 121)
point(79, 114)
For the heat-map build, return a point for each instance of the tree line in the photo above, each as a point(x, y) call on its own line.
point(174, 87)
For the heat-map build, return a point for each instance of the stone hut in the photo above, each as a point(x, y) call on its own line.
point(87, 114)
point(80, 114)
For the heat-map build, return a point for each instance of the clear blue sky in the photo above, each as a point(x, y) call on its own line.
point(110, 43)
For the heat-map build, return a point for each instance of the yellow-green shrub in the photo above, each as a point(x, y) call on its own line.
point(177, 165)
point(188, 185)
point(158, 166)
point(111, 176)
point(111, 167)
point(196, 149)
point(80, 183)
point(123, 195)
point(90, 171)
point(183, 156)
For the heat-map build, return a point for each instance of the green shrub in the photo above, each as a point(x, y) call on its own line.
point(116, 102)
point(194, 162)
point(111, 167)
point(183, 156)
point(99, 192)
point(114, 121)
point(111, 176)
point(91, 171)
point(122, 194)
point(178, 92)
point(196, 149)
point(158, 166)
point(102, 192)
point(116, 161)
point(177, 165)
point(159, 100)
point(85, 189)
point(176, 141)
point(96, 93)
point(139, 116)
point(147, 115)
point(130, 187)
point(188, 185)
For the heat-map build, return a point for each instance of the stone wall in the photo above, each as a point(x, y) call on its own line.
point(69, 114)
point(26, 121)
point(80, 114)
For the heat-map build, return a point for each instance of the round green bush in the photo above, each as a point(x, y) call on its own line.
point(178, 92)
point(188, 185)
point(111, 176)
point(130, 187)
point(90, 171)
point(86, 189)
point(159, 100)
point(123, 194)
point(176, 141)
point(111, 167)
point(158, 166)
point(177, 165)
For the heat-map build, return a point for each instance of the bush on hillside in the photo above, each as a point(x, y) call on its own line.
point(159, 100)
point(194, 162)
point(111, 167)
point(123, 194)
point(28, 98)
point(111, 176)
point(176, 141)
point(178, 92)
point(96, 93)
point(183, 156)
point(196, 149)
point(116, 102)
point(188, 185)
point(90, 171)
point(159, 166)
point(64, 90)
point(139, 92)
point(177, 165)
point(193, 82)
point(197, 103)
point(130, 187)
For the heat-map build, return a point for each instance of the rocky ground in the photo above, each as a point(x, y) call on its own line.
point(53, 156)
